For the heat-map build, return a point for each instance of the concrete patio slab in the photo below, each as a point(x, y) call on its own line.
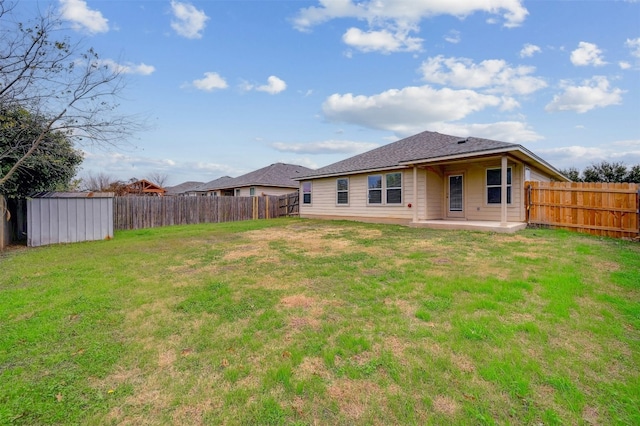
point(471, 225)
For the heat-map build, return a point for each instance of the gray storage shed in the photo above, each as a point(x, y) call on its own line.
point(69, 217)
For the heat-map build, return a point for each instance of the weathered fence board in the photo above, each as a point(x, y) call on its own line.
point(607, 209)
point(289, 205)
point(150, 212)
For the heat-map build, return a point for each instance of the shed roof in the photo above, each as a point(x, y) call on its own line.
point(53, 194)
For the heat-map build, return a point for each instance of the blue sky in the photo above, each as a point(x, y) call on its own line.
point(232, 86)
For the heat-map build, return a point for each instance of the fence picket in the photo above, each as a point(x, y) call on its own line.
point(137, 212)
point(607, 209)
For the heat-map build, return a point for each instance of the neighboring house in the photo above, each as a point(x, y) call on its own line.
point(276, 179)
point(144, 187)
point(212, 188)
point(183, 188)
point(427, 179)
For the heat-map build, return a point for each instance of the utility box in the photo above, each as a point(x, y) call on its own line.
point(69, 217)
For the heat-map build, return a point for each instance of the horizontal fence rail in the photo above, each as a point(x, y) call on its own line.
point(137, 212)
point(606, 209)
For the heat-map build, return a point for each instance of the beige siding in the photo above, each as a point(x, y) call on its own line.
point(475, 192)
point(245, 191)
point(323, 199)
point(434, 193)
point(537, 175)
point(431, 203)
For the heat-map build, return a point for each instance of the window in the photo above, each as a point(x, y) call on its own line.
point(342, 191)
point(237, 192)
point(391, 186)
point(494, 186)
point(252, 191)
point(394, 188)
point(306, 192)
point(375, 189)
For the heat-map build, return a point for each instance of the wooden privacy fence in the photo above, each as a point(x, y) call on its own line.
point(150, 212)
point(607, 209)
point(289, 205)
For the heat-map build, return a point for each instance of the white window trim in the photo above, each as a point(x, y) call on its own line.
point(486, 187)
point(338, 204)
point(383, 198)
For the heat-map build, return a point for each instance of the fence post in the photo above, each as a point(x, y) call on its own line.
point(4, 220)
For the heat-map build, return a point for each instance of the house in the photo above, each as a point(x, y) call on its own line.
point(276, 179)
point(144, 187)
point(182, 188)
point(429, 179)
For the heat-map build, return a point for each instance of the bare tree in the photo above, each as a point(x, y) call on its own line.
point(158, 178)
point(70, 89)
point(97, 182)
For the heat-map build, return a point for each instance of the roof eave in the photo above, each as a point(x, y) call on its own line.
point(352, 172)
point(519, 148)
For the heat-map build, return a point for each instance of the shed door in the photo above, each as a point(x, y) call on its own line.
point(455, 195)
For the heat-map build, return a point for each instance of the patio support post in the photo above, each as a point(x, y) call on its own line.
point(415, 194)
point(503, 192)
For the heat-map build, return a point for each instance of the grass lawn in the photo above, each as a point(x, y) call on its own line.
point(295, 321)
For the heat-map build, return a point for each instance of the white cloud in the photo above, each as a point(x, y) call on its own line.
point(274, 85)
point(453, 37)
point(407, 11)
point(624, 65)
point(587, 54)
point(528, 50)
point(408, 110)
point(593, 93)
point(325, 147)
point(126, 166)
point(128, 68)
point(210, 82)
point(189, 22)
point(507, 131)
point(493, 75)
point(626, 152)
point(634, 46)
point(390, 22)
point(81, 17)
point(384, 41)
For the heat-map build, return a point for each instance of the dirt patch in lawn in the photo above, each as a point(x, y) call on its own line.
point(353, 397)
point(445, 405)
point(312, 366)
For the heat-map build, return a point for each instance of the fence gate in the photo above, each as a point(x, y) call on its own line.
point(289, 205)
point(606, 209)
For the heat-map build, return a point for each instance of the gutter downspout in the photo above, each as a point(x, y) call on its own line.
point(415, 194)
point(503, 192)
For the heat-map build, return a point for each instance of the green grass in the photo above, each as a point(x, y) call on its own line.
point(318, 322)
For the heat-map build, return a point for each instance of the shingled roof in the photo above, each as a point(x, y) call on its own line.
point(416, 148)
point(182, 188)
point(277, 175)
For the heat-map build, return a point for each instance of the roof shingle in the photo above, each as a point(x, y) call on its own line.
point(423, 146)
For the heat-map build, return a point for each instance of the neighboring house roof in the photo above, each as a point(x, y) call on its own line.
point(426, 147)
point(212, 185)
point(143, 186)
point(277, 175)
point(182, 188)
